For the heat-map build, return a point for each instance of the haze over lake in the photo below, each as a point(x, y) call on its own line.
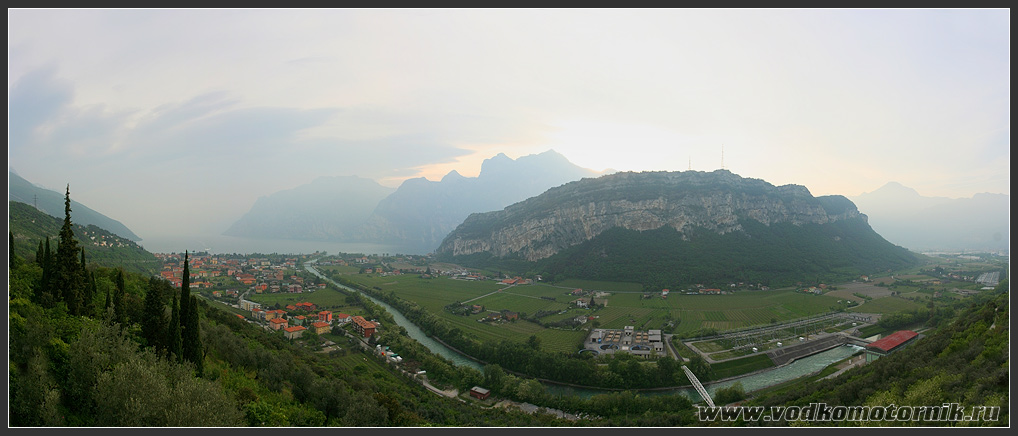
point(218, 244)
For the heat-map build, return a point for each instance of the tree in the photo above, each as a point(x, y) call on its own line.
point(40, 255)
point(153, 323)
point(173, 343)
point(69, 277)
point(185, 295)
point(14, 260)
point(119, 307)
point(88, 291)
point(191, 339)
point(45, 294)
point(534, 342)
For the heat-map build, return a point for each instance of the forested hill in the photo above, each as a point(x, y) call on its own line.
point(31, 227)
point(52, 203)
point(671, 229)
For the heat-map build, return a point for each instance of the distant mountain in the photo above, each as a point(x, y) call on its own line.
point(421, 212)
point(52, 203)
point(671, 229)
point(905, 217)
point(31, 226)
point(327, 209)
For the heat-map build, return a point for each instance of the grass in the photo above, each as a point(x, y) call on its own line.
point(886, 305)
point(741, 366)
point(590, 285)
point(626, 306)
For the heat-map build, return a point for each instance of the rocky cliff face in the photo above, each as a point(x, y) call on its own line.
point(579, 211)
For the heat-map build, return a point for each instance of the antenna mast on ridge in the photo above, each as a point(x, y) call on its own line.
point(722, 156)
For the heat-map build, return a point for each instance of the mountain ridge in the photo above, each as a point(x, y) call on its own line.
point(52, 203)
point(921, 223)
point(602, 223)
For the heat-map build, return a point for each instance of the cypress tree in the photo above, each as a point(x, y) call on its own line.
point(45, 294)
point(119, 307)
point(153, 325)
point(189, 334)
point(89, 290)
point(185, 296)
point(108, 307)
point(173, 344)
point(39, 259)
point(69, 278)
point(192, 347)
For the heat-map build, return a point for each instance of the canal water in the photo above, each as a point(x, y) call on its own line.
point(798, 368)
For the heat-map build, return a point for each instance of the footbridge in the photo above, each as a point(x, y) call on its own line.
point(699, 387)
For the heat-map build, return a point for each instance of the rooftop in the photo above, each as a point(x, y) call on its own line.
point(893, 341)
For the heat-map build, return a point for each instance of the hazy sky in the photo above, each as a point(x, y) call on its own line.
point(176, 121)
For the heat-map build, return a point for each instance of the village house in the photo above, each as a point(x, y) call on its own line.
point(321, 327)
point(342, 318)
point(278, 323)
point(293, 332)
point(325, 316)
point(363, 327)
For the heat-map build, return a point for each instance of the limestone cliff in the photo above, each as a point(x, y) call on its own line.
point(576, 212)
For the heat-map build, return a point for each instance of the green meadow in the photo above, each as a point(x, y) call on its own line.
point(626, 306)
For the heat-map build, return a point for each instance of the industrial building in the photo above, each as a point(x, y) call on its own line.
point(890, 344)
point(627, 340)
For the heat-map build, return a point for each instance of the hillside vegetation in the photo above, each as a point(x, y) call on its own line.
point(30, 228)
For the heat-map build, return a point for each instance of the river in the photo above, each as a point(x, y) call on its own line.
point(798, 368)
point(412, 330)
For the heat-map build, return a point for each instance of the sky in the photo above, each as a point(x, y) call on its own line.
point(177, 120)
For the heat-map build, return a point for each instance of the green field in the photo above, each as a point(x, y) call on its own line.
point(625, 307)
point(886, 305)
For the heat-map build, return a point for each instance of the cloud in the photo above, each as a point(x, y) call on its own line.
point(35, 100)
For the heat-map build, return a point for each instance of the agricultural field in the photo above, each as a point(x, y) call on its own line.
point(870, 289)
point(886, 305)
point(590, 285)
point(625, 307)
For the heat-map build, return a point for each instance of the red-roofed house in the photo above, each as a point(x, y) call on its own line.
point(278, 323)
point(363, 326)
point(342, 318)
point(887, 345)
point(321, 327)
point(293, 332)
point(325, 316)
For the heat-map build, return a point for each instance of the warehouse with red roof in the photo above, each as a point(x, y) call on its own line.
point(887, 345)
